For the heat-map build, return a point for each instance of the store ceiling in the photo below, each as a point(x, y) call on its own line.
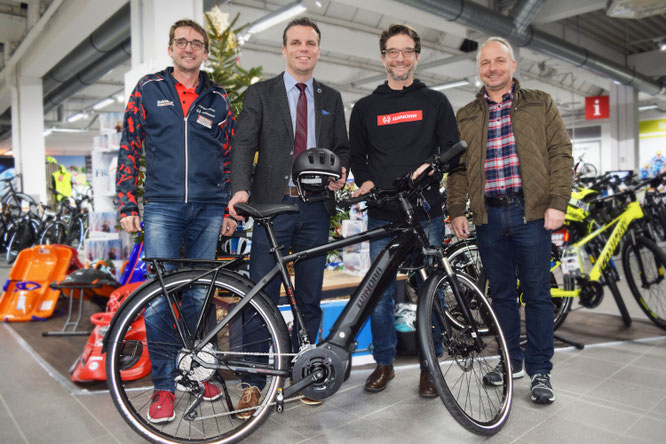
point(350, 55)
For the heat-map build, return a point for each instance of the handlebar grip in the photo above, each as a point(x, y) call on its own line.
point(353, 200)
point(452, 152)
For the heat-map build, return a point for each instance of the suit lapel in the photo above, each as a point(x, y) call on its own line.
point(283, 104)
point(318, 108)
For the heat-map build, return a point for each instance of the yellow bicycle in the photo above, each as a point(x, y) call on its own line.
point(643, 260)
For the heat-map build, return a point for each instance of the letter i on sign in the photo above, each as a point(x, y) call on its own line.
point(597, 110)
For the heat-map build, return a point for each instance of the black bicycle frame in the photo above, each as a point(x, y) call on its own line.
point(364, 299)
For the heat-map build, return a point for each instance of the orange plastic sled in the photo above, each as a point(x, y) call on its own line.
point(27, 295)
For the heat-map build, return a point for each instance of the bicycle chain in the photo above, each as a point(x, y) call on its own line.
point(234, 412)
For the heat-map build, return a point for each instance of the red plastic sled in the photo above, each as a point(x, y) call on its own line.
point(91, 365)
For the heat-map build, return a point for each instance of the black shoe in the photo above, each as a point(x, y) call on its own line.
point(496, 375)
point(542, 391)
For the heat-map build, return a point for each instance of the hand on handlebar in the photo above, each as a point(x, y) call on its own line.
point(365, 188)
point(421, 169)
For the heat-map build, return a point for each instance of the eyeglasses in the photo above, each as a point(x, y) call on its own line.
point(393, 52)
point(197, 45)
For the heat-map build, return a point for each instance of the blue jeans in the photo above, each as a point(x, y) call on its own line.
point(306, 229)
point(382, 319)
point(505, 243)
point(167, 226)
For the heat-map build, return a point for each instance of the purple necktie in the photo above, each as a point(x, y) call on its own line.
point(301, 136)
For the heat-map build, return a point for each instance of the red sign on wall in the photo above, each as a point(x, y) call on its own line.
point(596, 108)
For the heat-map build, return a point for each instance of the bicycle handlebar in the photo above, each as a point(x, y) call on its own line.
point(406, 184)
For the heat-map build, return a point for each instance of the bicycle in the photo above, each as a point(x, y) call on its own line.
point(584, 170)
point(70, 223)
point(15, 203)
point(210, 348)
point(643, 261)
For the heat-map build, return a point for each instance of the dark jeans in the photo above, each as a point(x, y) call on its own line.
point(382, 319)
point(307, 229)
point(507, 243)
point(167, 227)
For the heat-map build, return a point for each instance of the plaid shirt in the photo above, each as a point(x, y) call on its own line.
point(502, 164)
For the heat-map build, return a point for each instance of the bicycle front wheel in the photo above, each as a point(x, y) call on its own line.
point(20, 239)
point(223, 361)
point(457, 359)
point(54, 233)
point(644, 265)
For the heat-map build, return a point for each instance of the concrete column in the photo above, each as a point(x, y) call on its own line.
point(151, 21)
point(623, 127)
point(28, 135)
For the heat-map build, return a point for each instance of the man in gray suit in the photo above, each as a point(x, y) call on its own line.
point(280, 117)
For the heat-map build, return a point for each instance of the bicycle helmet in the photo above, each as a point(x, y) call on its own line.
point(314, 169)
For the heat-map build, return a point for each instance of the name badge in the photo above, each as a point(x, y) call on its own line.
point(201, 120)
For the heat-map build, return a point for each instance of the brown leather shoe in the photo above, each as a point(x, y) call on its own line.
point(426, 387)
point(378, 379)
point(249, 400)
point(309, 401)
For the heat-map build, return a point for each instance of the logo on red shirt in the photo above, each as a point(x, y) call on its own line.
point(405, 116)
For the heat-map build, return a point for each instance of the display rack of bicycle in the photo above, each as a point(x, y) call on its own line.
point(602, 219)
point(25, 223)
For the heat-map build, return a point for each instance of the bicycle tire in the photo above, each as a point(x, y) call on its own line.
point(13, 203)
point(215, 421)
point(464, 257)
point(21, 239)
point(54, 233)
point(649, 272)
point(75, 233)
point(457, 371)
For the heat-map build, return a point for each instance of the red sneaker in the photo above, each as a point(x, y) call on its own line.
point(211, 392)
point(161, 409)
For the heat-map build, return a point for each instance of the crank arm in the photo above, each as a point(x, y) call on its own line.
point(306, 382)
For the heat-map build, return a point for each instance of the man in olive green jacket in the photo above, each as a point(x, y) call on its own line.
point(518, 179)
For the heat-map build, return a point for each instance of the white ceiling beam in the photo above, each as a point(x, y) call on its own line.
point(408, 14)
point(13, 27)
point(555, 10)
point(651, 63)
point(74, 21)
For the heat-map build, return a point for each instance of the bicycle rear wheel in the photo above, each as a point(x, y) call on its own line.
point(644, 266)
point(225, 355)
point(458, 365)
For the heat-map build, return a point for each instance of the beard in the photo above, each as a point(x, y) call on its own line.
point(401, 78)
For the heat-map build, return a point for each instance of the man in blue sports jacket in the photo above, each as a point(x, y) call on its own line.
point(185, 124)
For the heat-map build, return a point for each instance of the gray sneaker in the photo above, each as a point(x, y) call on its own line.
point(542, 391)
point(496, 375)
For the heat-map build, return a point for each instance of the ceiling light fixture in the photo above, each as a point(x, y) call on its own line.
point(451, 85)
point(47, 131)
point(662, 45)
point(103, 103)
point(76, 117)
point(272, 19)
point(647, 107)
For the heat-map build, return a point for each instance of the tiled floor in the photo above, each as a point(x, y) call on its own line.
point(614, 392)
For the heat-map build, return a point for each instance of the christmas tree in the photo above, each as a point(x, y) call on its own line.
point(224, 57)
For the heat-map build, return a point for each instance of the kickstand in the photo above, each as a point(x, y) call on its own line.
point(578, 345)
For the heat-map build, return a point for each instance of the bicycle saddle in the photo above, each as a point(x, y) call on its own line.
point(266, 211)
